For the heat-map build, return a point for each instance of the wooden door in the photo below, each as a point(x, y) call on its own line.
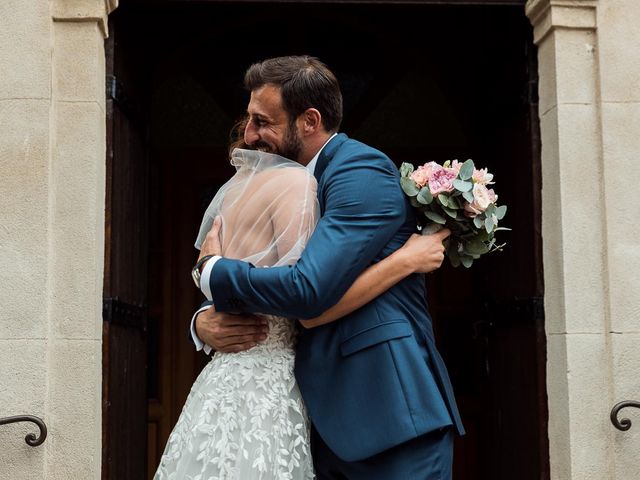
point(125, 277)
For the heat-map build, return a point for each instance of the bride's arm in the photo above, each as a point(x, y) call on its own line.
point(420, 254)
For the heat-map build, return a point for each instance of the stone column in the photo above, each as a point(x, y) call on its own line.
point(619, 78)
point(588, 175)
point(52, 160)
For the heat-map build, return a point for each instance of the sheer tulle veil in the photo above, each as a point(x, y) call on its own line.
point(269, 209)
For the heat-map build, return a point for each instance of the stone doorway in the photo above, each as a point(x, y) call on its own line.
point(421, 82)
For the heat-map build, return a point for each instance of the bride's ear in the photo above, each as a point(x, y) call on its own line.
point(312, 121)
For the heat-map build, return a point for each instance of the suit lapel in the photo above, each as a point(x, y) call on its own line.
point(327, 153)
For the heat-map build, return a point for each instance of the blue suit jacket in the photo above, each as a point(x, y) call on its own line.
point(373, 379)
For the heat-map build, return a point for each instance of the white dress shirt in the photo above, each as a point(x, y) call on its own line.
point(205, 284)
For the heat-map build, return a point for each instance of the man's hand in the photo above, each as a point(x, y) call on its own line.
point(211, 244)
point(425, 253)
point(226, 332)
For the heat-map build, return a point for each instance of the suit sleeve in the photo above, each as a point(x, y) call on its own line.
point(364, 208)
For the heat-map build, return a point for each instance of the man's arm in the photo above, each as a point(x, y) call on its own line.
point(364, 207)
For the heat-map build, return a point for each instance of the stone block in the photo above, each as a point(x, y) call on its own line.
point(75, 379)
point(619, 40)
point(23, 390)
point(583, 216)
point(25, 49)
point(547, 89)
point(79, 62)
point(621, 143)
point(626, 386)
point(78, 179)
point(552, 233)
point(572, 220)
point(24, 197)
point(576, 66)
point(567, 68)
point(589, 387)
point(558, 402)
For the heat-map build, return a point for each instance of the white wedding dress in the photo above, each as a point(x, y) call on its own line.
point(244, 418)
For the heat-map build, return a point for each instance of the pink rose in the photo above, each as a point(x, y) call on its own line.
point(422, 175)
point(482, 176)
point(482, 198)
point(441, 180)
point(456, 166)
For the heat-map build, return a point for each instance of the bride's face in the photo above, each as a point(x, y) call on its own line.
point(269, 128)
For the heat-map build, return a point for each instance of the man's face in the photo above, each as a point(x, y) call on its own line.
point(269, 128)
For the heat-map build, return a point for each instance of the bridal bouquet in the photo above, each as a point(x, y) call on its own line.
point(456, 196)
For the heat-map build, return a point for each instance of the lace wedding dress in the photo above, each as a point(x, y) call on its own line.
point(244, 418)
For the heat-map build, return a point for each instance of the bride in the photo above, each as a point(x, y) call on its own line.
point(244, 417)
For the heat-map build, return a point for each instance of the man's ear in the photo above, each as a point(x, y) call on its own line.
point(311, 121)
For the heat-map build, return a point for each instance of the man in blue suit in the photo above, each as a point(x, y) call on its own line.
point(376, 388)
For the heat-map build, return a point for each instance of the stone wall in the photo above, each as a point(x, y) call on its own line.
point(52, 187)
point(590, 126)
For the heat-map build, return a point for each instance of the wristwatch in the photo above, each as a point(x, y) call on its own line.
point(195, 272)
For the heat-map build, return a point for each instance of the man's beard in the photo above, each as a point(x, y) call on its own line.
point(291, 145)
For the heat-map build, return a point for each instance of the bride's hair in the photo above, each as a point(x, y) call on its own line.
point(236, 136)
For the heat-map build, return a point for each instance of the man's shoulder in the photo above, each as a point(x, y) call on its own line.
point(352, 146)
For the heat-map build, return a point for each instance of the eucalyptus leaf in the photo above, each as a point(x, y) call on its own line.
point(406, 169)
point(476, 247)
point(501, 211)
point(491, 210)
point(451, 212)
point(452, 202)
point(424, 196)
point(454, 258)
point(462, 185)
point(434, 217)
point(466, 261)
point(443, 199)
point(466, 171)
point(488, 224)
point(409, 187)
point(468, 196)
point(477, 221)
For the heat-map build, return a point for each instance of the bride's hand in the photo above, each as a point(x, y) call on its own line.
point(425, 253)
point(211, 244)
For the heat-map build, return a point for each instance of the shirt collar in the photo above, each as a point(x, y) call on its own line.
point(311, 166)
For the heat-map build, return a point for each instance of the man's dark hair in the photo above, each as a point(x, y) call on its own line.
point(304, 82)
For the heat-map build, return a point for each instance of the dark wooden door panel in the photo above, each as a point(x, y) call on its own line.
point(125, 280)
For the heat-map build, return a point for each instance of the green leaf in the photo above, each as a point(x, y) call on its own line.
point(462, 186)
point(451, 212)
point(452, 253)
point(409, 187)
point(488, 224)
point(501, 211)
point(476, 247)
point(446, 164)
point(466, 171)
point(466, 261)
point(434, 217)
point(477, 221)
point(406, 169)
point(443, 199)
point(424, 196)
point(453, 203)
point(468, 196)
point(491, 210)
